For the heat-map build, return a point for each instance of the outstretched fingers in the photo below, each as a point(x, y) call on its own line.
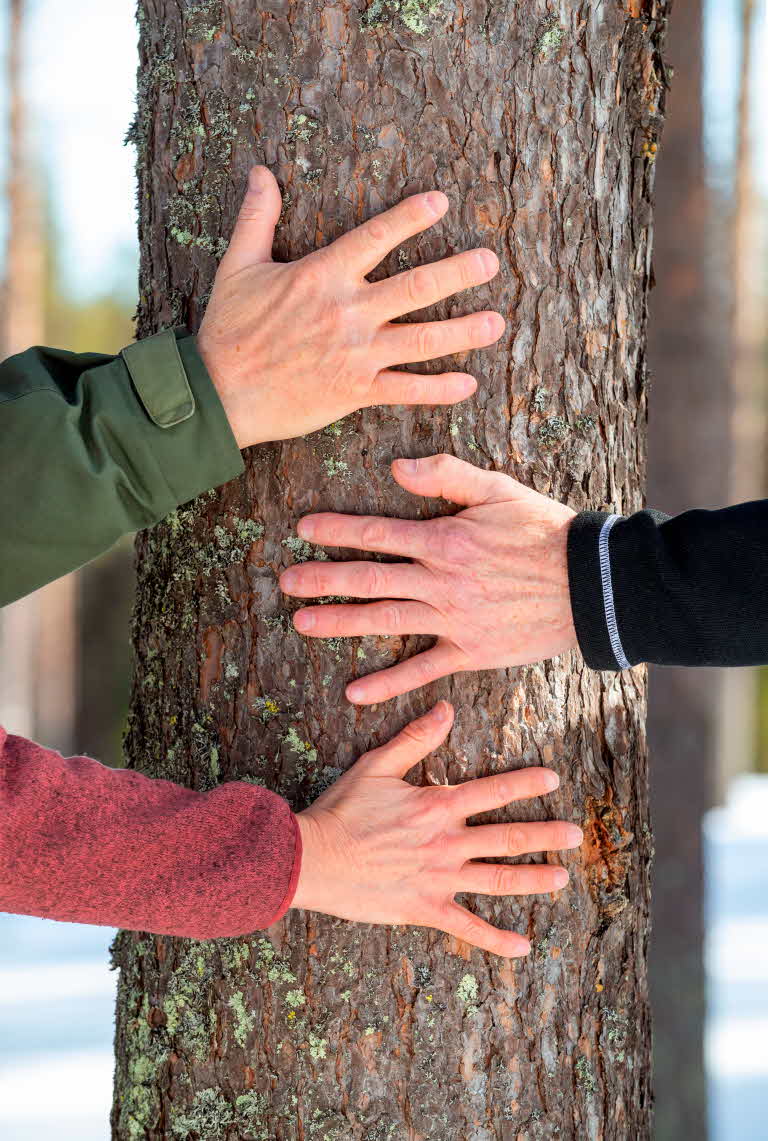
point(442, 659)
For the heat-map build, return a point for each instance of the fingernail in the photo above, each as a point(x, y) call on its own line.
point(560, 877)
point(488, 261)
point(551, 780)
point(442, 711)
point(524, 950)
point(574, 835)
point(305, 528)
point(408, 467)
point(492, 325)
point(435, 203)
point(304, 620)
point(354, 693)
point(288, 580)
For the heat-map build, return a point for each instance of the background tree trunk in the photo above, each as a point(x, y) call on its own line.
point(37, 633)
point(541, 130)
point(689, 454)
point(738, 721)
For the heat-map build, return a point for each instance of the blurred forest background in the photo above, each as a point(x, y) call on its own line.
point(69, 280)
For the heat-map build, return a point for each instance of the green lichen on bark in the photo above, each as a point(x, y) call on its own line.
point(550, 37)
point(414, 14)
point(209, 1118)
point(552, 431)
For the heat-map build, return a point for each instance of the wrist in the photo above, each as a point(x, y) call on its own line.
point(211, 356)
point(305, 895)
point(569, 625)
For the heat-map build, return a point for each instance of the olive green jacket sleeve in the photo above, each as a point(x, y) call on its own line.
point(96, 446)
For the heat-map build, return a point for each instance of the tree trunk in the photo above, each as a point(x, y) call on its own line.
point(542, 133)
point(689, 452)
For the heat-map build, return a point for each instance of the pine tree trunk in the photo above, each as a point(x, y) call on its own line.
point(541, 134)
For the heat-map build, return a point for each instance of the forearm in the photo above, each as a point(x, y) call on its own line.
point(685, 590)
point(88, 844)
point(96, 447)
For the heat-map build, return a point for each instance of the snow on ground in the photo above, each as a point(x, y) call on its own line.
point(57, 998)
point(736, 852)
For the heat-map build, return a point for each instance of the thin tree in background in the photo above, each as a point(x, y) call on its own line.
point(739, 717)
point(689, 450)
point(541, 128)
point(37, 633)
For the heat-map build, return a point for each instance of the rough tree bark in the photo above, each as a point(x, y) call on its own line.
point(541, 128)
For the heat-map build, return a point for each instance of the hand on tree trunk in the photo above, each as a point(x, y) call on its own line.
point(377, 849)
point(491, 582)
point(294, 346)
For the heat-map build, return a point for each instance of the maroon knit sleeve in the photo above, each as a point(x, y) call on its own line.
point(89, 844)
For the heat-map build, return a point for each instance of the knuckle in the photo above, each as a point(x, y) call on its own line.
point(309, 273)
point(391, 616)
point(417, 390)
point(501, 880)
point(372, 580)
point(376, 232)
point(443, 463)
point(421, 284)
point(478, 330)
point(469, 270)
point(425, 341)
point(415, 734)
point(497, 789)
point(541, 878)
point(373, 534)
point(514, 840)
point(423, 669)
point(312, 581)
point(563, 837)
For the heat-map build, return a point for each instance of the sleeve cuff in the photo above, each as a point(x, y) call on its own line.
point(293, 882)
point(591, 586)
point(191, 438)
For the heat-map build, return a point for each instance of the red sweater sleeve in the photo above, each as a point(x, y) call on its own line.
point(89, 844)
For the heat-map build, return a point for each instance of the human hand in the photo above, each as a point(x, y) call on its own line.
point(377, 849)
point(293, 346)
point(490, 582)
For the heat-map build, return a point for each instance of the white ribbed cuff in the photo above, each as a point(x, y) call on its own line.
point(608, 604)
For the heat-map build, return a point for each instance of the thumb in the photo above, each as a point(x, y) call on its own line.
point(453, 479)
point(411, 745)
point(254, 231)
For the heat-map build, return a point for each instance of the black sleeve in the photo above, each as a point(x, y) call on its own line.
point(689, 590)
